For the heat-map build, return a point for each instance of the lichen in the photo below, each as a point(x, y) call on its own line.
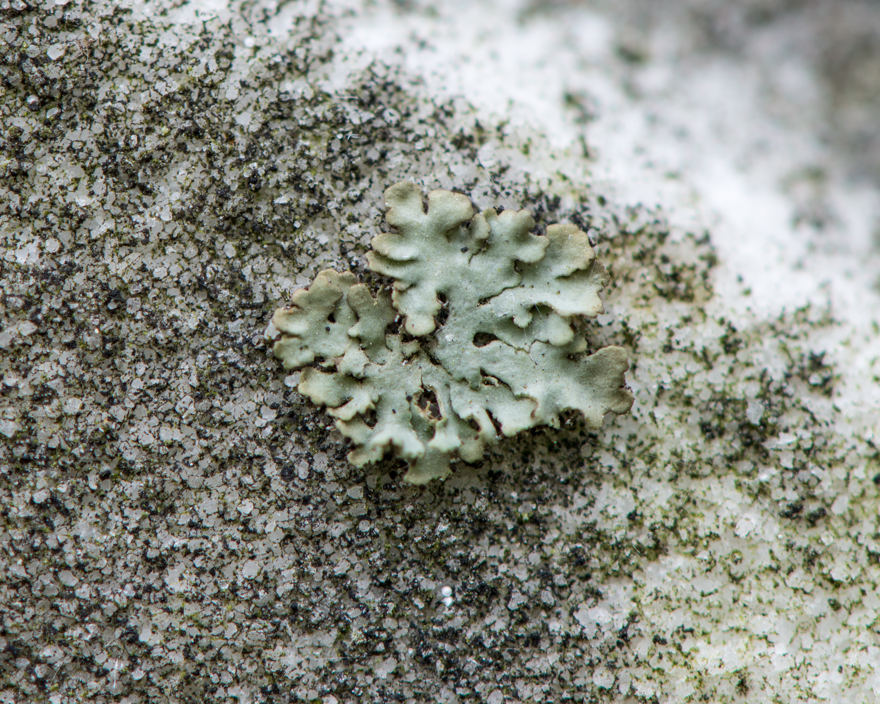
point(480, 338)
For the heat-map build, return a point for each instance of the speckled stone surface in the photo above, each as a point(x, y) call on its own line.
point(178, 525)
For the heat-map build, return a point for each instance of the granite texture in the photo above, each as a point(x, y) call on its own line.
point(177, 524)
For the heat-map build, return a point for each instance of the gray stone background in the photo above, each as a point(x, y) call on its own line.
point(179, 525)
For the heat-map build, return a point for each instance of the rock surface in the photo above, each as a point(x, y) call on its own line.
point(178, 524)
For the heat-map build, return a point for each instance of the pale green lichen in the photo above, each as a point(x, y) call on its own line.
point(507, 356)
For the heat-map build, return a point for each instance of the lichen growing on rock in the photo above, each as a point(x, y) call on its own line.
point(487, 340)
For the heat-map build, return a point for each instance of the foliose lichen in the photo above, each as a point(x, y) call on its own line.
point(480, 338)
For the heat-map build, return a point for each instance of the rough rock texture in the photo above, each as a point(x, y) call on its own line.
point(177, 524)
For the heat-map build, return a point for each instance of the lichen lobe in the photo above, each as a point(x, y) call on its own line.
point(508, 356)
